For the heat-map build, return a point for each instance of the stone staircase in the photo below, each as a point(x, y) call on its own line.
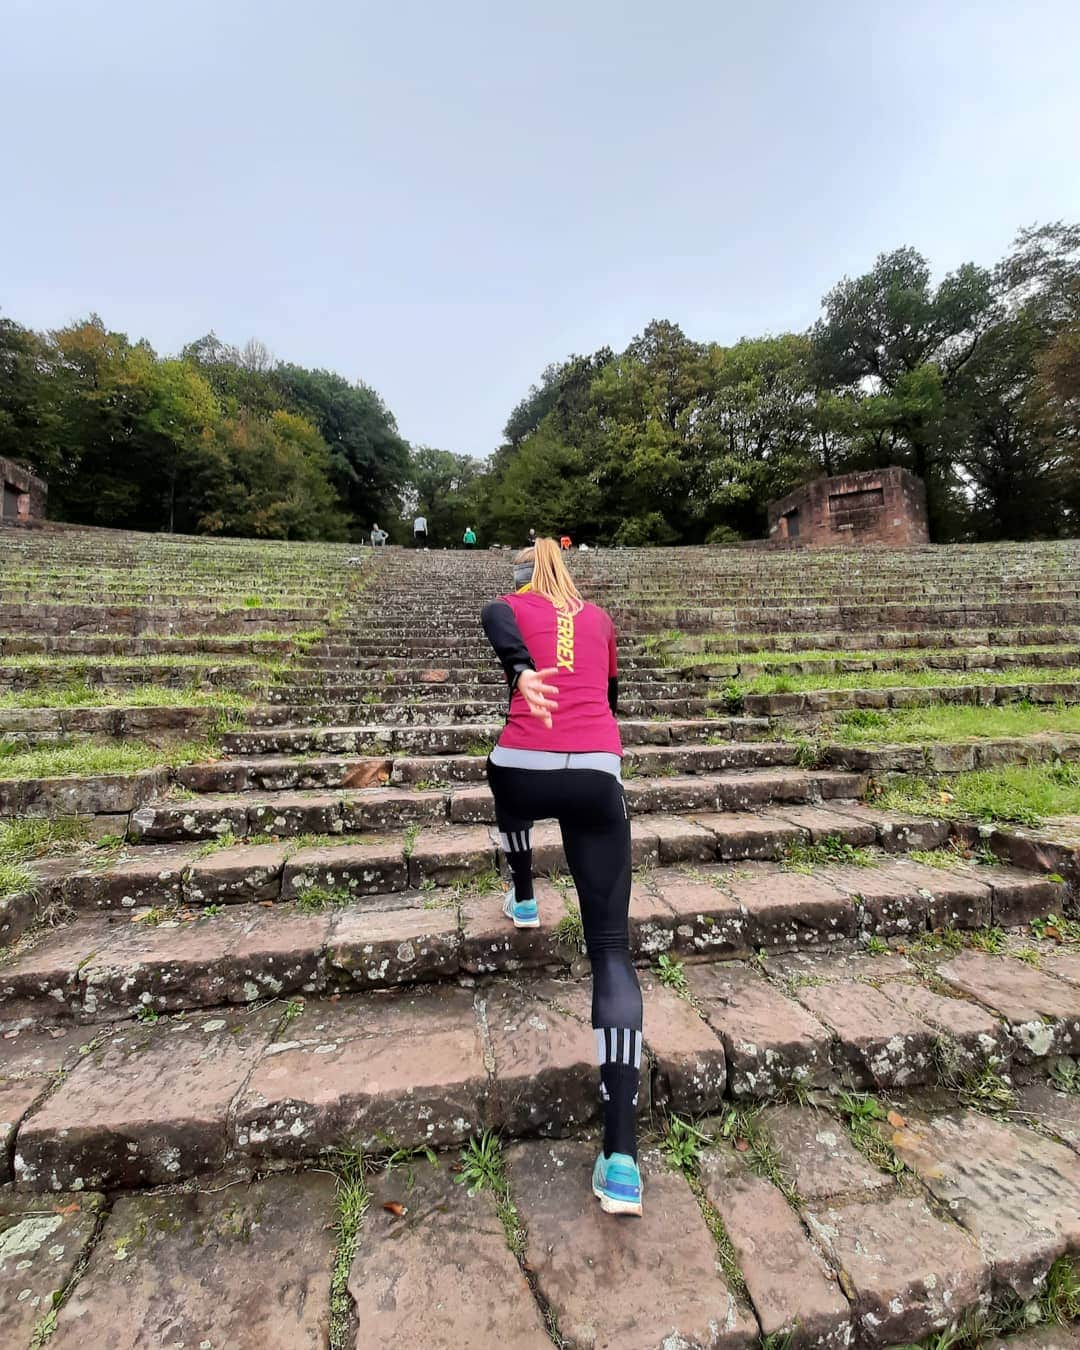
point(292, 949)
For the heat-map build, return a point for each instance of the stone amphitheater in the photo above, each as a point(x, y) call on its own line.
point(275, 1072)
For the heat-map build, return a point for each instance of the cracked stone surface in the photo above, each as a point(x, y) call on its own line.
point(42, 1240)
point(149, 1105)
point(623, 1283)
point(440, 1274)
point(770, 1041)
point(818, 1157)
point(248, 1266)
point(1043, 1012)
point(906, 1271)
point(1015, 1191)
point(793, 1291)
point(407, 1065)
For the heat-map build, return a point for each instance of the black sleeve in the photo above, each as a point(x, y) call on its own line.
point(613, 694)
point(505, 636)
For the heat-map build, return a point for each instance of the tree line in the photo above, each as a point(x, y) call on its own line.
point(218, 440)
point(973, 383)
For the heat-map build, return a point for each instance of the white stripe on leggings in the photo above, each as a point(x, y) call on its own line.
point(618, 1045)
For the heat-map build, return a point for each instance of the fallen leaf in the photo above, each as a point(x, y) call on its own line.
point(398, 1211)
point(73, 1208)
point(742, 1145)
point(896, 1120)
point(1052, 932)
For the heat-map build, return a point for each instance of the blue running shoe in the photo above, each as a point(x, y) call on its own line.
point(525, 913)
point(616, 1183)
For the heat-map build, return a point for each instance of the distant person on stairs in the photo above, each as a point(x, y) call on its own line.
point(469, 537)
point(419, 531)
point(378, 537)
point(559, 757)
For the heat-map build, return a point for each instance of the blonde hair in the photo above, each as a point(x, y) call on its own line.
point(550, 576)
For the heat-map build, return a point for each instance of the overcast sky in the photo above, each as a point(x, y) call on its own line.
point(440, 198)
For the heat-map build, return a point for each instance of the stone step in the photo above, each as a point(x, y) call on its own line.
point(329, 937)
point(473, 737)
point(844, 1255)
point(337, 811)
point(277, 773)
point(241, 870)
point(818, 701)
point(154, 1102)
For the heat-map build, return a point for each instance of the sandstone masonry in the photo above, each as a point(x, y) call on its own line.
point(878, 506)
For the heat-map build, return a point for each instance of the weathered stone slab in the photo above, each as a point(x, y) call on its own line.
point(1043, 1012)
point(379, 808)
point(880, 1042)
point(744, 834)
point(625, 1283)
point(688, 1055)
point(1017, 1192)
point(440, 1275)
point(706, 918)
point(820, 822)
point(884, 905)
point(1057, 1111)
point(147, 1107)
point(794, 1293)
point(490, 942)
point(447, 856)
point(246, 1266)
point(290, 813)
point(546, 1076)
point(17, 1096)
point(150, 875)
point(789, 909)
point(818, 1157)
point(1019, 897)
point(956, 897)
point(770, 1042)
point(407, 1065)
point(396, 944)
point(250, 874)
point(906, 1271)
point(897, 832)
point(42, 1240)
point(680, 840)
point(202, 819)
point(974, 1035)
point(361, 867)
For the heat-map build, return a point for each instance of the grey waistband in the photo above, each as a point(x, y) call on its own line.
point(508, 758)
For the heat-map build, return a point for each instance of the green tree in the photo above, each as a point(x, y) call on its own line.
point(271, 481)
point(369, 459)
point(891, 335)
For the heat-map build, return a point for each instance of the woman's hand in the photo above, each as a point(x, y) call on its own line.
point(539, 695)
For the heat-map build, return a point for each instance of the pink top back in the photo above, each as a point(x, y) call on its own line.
point(582, 648)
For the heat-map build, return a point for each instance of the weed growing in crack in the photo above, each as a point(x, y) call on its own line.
point(862, 1112)
point(570, 931)
point(803, 857)
point(1065, 1077)
point(671, 974)
point(351, 1204)
point(681, 1145)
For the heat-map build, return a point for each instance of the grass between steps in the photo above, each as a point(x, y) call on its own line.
point(91, 758)
point(81, 695)
point(950, 722)
point(1014, 794)
point(892, 679)
point(825, 655)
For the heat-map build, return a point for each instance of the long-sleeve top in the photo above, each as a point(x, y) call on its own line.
point(529, 633)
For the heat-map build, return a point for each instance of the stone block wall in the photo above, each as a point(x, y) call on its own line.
point(23, 496)
point(873, 506)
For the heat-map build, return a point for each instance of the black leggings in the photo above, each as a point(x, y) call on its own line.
point(590, 806)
